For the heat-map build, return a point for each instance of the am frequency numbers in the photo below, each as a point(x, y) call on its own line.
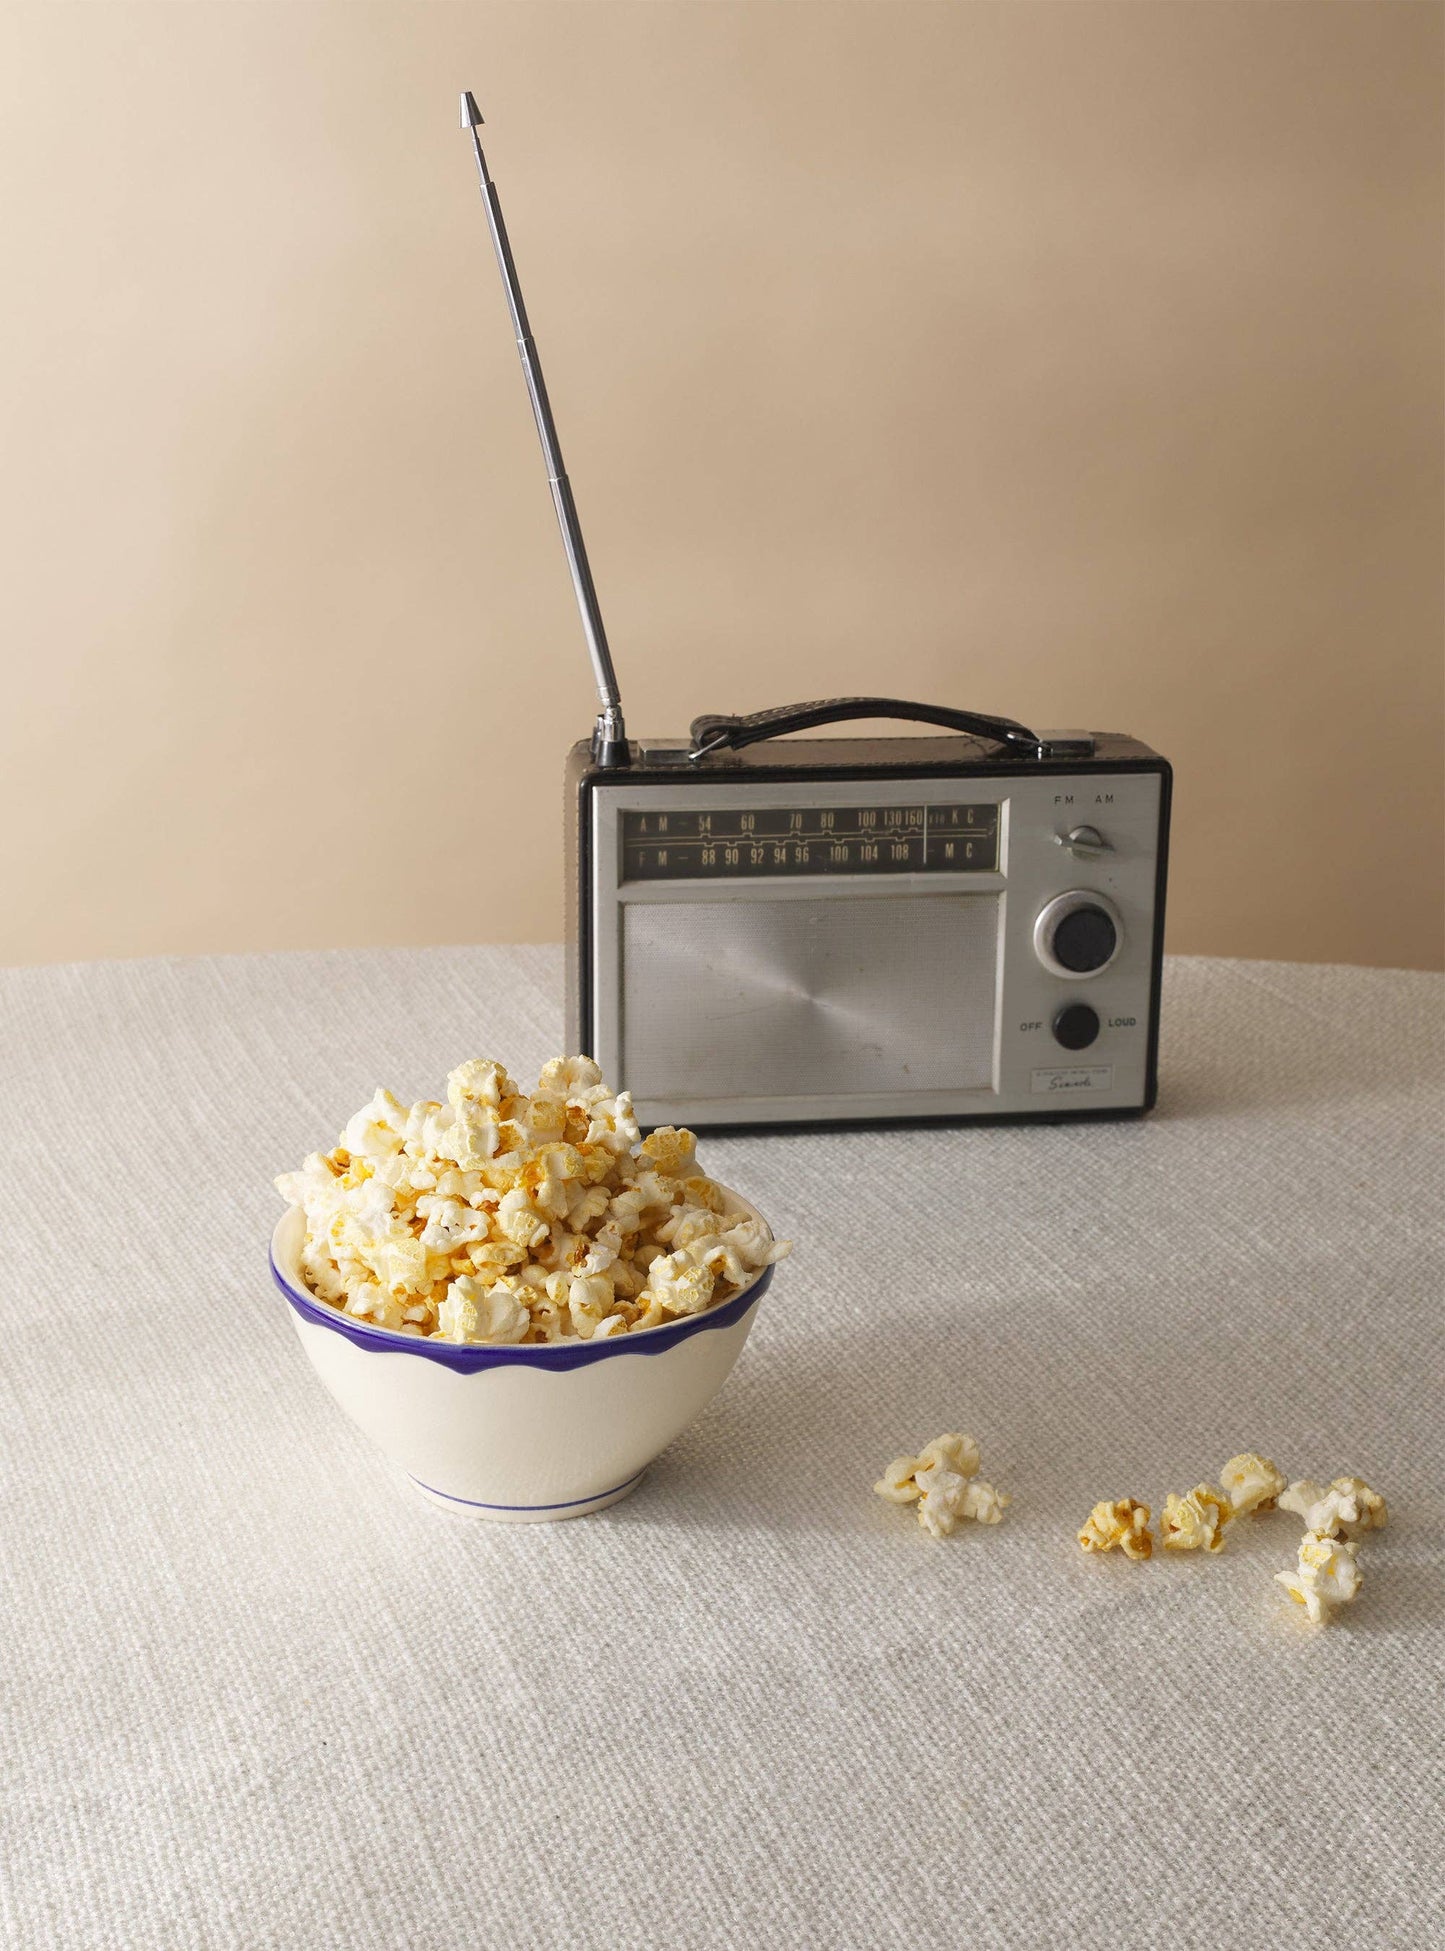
point(680, 844)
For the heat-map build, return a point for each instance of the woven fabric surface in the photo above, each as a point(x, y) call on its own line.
point(256, 1692)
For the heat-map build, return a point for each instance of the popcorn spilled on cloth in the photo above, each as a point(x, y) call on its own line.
point(1120, 1524)
point(1251, 1483)
point(943, 1480)
point(505, 1217)
point(1326, 1574)
point(1195, 1521)
point(1325, 1577)
point(1347, 1508)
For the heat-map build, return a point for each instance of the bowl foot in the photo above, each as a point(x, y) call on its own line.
point(530, 1513)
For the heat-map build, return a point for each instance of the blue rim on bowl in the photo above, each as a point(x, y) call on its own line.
point(467, 1358)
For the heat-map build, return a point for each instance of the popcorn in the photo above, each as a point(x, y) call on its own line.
point(474, 1312)
point(450, 1225)
point(546, 1118)
point(1195, 1521)
point(1124, 1524)
point(586, 1205)
point(377, 1131)
point(942, 1480)
point(568, 1078)
point(478, 1083)
point(369, 1219)
point(611, 1123)
point(941, 1504)
point(427, 1127)
point(1326, 1576)
point(897, 1483)
point(601, 1251)
point(502, 1217)
point(1252, 1483)
point(671, 1150)
point(680, 1282)
point(589, 1303)
point(322, 1277)
point(473, 1137)
point(519, 1221)
point(1349, 1507)
point(403, 1265)
point(721, 1258)
point(550, 1175)
point(954, 1452)
point(982, 1502)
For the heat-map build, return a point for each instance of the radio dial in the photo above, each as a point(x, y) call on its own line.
point(1078, 934)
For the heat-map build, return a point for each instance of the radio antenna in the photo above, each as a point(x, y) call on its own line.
point(609, 737)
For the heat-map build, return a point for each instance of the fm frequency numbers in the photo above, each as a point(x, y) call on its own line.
point(680, 844)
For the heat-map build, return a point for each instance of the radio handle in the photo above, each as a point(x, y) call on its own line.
point(719, 732)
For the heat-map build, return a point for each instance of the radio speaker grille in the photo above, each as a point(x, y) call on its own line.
point(808, 998)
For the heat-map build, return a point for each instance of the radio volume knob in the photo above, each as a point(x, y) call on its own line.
point(1076, 1026)
point(1078, 934)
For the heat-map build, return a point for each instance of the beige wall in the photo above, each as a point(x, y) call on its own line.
point(1080, 362)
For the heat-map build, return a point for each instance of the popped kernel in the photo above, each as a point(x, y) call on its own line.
point(897, 1483)
point(1348, 1507)
point(1326, 1576)
point(680, 1282)
point(954, 1451)
point(503, 1217)
point(568, 1077)
point(1121, 1524)
point(671, 1150)
point(942, 1480)
point(1252, 1483)
point(940, 1506)
point(1195, 1521)
point(982, 1502)
point(473, 1312)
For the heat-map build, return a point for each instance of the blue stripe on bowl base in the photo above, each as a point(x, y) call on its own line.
point(572, 1504)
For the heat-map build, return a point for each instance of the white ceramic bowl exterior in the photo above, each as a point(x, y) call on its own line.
point(518, 1434)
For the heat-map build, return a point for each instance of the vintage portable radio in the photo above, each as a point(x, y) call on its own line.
point(771, 931)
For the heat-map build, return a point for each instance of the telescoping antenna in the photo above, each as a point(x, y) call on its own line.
point(609, 738)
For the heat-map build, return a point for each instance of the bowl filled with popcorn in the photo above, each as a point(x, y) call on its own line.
point(516, 1295)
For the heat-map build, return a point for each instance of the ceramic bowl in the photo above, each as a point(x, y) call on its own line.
point(518, 1434)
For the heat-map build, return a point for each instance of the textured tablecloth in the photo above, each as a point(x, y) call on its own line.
point(256, 1692)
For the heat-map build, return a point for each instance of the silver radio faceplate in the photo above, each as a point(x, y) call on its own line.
point(813, 953)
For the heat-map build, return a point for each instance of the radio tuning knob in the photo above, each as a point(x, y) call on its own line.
point(1083, 842)
point(1078, 934)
